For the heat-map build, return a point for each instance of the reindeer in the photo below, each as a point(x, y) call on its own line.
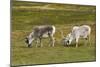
point(40, 32)
point(76, 33)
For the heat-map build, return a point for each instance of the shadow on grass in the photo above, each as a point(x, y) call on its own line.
point(74, 45)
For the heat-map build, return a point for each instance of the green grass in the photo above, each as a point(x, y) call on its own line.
point(25, 15)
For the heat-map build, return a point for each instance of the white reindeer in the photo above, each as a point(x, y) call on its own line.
point(40, 32)
point(76, 33)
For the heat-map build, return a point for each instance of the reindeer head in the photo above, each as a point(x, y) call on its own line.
point(29, 39)
point(67, 40)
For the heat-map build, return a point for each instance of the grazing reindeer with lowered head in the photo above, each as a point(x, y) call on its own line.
point(40, 32)
point(76, 33)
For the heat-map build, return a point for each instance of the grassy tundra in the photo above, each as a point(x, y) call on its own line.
point(25, 15)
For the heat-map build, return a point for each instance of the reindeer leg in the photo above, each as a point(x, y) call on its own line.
point(86, 41)
point(41, 42)
point(50, 39)
point(77, 42)
point(37, 42)
point(76, 45)
point(49, 42)
point(53, 41)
